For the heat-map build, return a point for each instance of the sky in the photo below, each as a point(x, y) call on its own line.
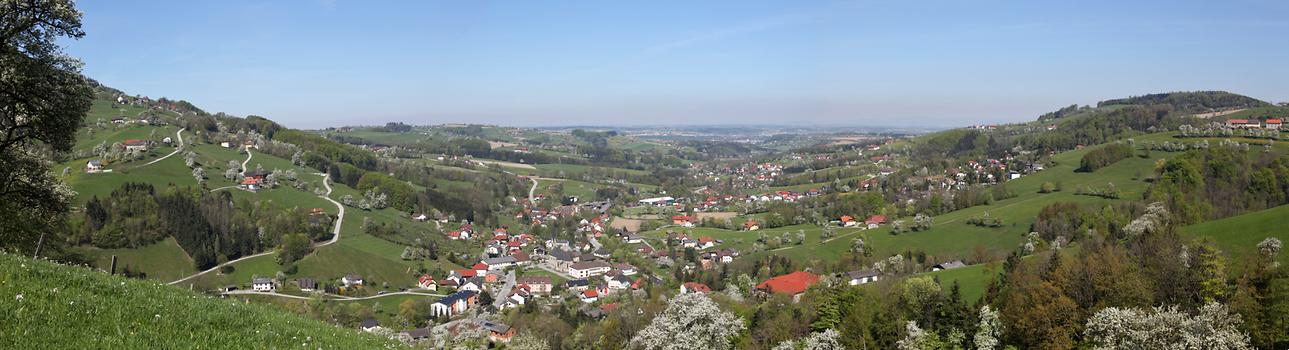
point(314, 64)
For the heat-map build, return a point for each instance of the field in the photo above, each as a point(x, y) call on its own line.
point(163, 260)
point(1239, 235)
point(50, 306)
point(952, 238)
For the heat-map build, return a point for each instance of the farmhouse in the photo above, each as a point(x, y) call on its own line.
point(875, 221)
point(1273, 124)
point(856, 278)
point(793, 284)
point(94, 166)
point(262, 285)
point(751, 225)
point(498, 332)
point(136, 145)
point(351, 280)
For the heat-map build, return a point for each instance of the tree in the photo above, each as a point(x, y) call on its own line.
point(1269, 247)
point(294, 247)
point(691, 321)
point(828, 339)
point(1212, 327)
point(988, 330)
point(918, 339)
point(45, 99)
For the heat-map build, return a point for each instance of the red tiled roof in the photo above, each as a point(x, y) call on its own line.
point(790, 284)
point(695, 287)
point(480, 266)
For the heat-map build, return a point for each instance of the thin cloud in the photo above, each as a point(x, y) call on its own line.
point(725, 33)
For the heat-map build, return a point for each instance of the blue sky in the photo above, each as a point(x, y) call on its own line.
point(885, 63)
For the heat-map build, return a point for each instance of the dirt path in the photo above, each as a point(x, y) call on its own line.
point(178, 134)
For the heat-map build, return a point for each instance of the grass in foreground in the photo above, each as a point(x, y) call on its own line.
point(51, 306)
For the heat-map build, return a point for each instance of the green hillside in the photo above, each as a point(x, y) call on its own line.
point(51, 306)
point(1239, 235)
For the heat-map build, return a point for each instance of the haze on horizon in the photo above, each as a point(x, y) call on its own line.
point(942, 63)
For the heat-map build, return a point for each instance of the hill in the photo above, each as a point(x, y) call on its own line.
point(51, 306)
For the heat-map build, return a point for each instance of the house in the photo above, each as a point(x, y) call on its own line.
point(536, 284)
point(694, 287)
point(134, 145)
point(497, 332)
point(1243, 124)
point(856, 278)
point(706, 242)
point(351, 280)
point(634, 239)
point(751, 225)
point(251, 184)
point(454, 303)
point(415, 335)
point(225, 144)
point(577, 285)
point(427, 282)
point(369, 325)
point(307, 284)
point(792, 284)
point(587, 269)
point(1273, 124)
point(474, 284)
point(683, 220)
point(875, 220)
point(618, 281)
point(589, 296)
point(262, 284)
point(948, 265)
point(94, 166)
point(848, 221)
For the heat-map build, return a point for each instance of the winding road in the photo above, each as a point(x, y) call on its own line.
point(531, 199)
point(178, 134)
point(335, 237)
point(248, 160)
point(333, 296)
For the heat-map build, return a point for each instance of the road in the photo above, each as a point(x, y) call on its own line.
point(501, 298)
point(340, 218)
point(333, 296)
point(334, 238)
point(248, 160)
point(532, 199)
point(178, 134)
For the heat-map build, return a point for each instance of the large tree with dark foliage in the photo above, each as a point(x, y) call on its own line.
point(43, 98)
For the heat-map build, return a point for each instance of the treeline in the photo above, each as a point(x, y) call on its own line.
point(1104, 156)
point(210, 227)
point(1217, 182)
point(1197, 101)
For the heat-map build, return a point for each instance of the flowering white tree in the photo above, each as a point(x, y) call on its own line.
point(1213, 327)
point(691, 321)
point(989, 329)
point(527, 341)
point(1155, 218)
point(1269, 247)
point(918, 339)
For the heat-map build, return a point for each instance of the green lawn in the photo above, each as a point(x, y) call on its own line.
point(50, 306)
point(163, 260)
point(169, 171)
point(1239, 235)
